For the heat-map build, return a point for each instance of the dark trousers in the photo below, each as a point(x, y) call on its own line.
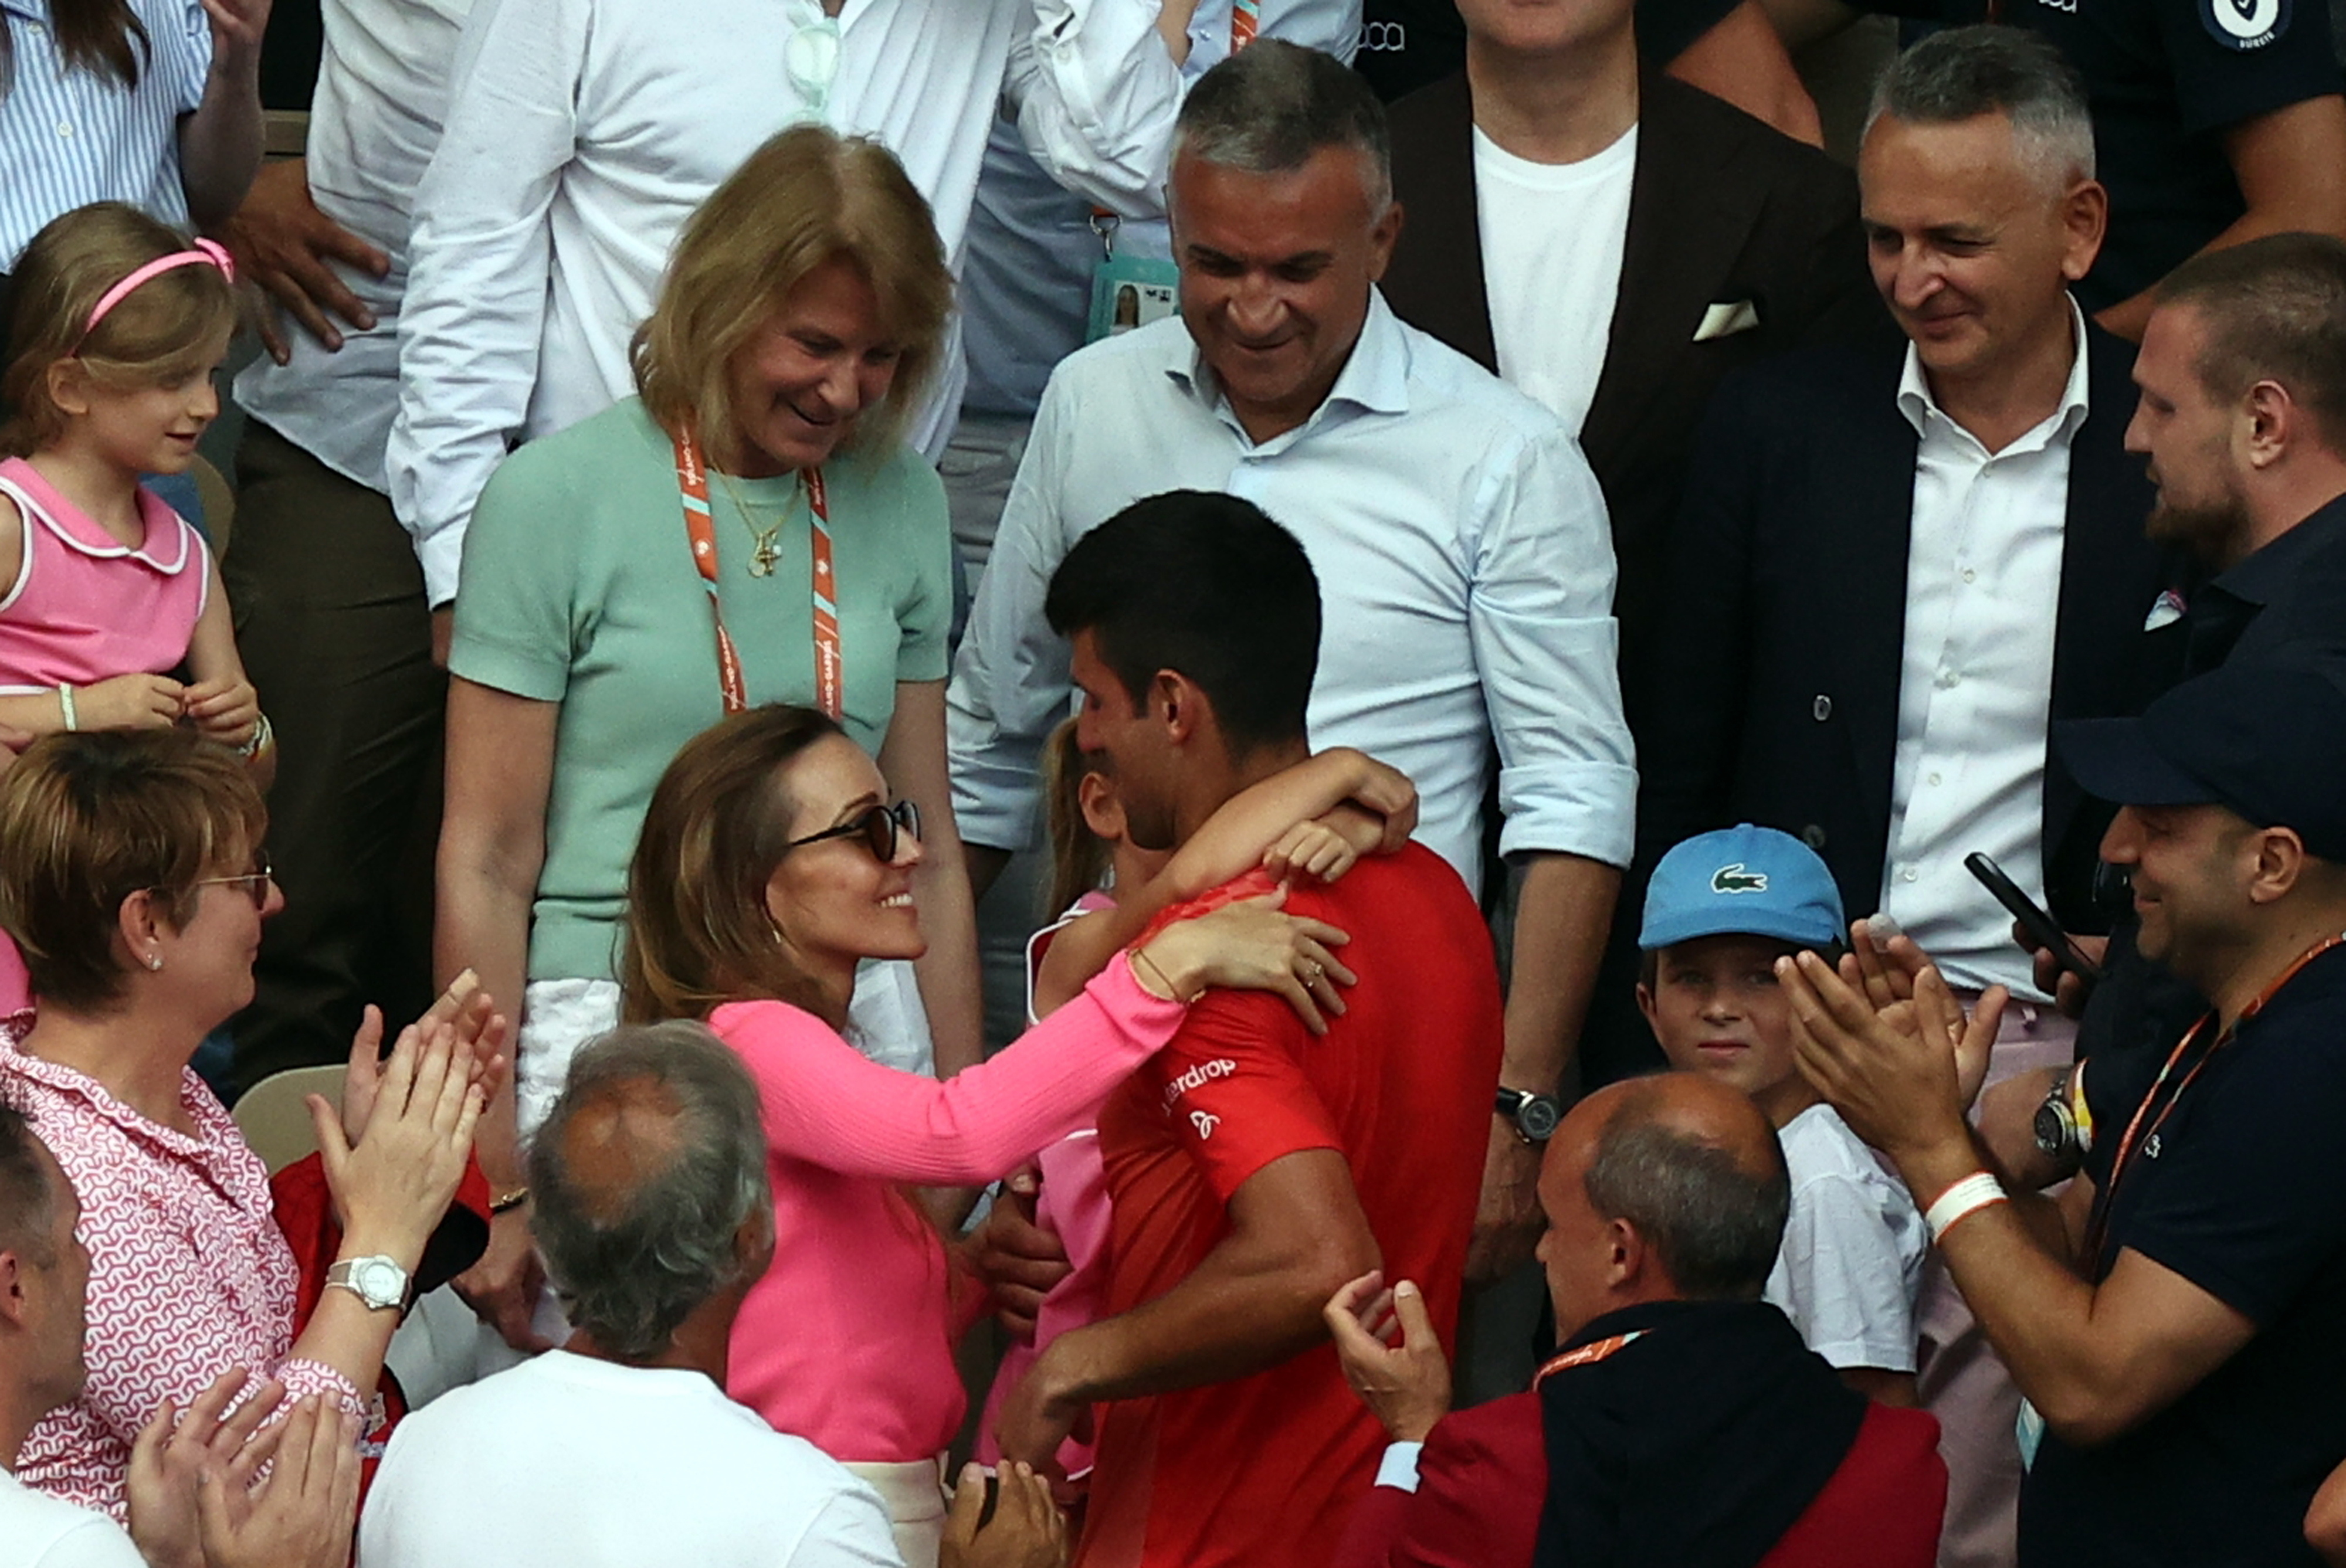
point(330, 619)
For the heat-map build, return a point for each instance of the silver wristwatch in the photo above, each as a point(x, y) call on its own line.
point(378, 1281)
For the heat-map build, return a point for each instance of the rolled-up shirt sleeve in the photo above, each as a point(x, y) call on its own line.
point(479, 259)
point(1540, 616)
point(1010, 681)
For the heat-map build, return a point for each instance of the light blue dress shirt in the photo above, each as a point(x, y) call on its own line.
point(1466, 571)
point(72, 137)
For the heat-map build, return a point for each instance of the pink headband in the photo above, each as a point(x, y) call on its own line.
point(207, 253)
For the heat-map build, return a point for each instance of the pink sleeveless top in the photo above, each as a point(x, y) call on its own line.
point(83, 607)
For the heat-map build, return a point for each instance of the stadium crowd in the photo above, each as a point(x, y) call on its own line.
point(989, 783)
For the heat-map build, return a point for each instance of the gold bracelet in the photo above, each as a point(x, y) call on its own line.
point(1140, 955)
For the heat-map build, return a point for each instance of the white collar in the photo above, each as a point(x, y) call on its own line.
point(1917, 403)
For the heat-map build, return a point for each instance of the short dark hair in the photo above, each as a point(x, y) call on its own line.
point(28, 1200)
point(1715, 1225)
point(1267, 108)
point(632, 1261)
point(2275, 310)
point(1205, 584)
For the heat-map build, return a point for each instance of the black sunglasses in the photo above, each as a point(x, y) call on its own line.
point(880, 827)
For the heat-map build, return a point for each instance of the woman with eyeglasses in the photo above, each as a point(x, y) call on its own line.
point(748, 529)
point(773, 862)
point(132, 878)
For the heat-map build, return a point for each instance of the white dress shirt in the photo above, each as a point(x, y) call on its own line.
point(1102, 134)
point(581, 135)
point(382, 93)
point(1466, 575)
point(1983, 597)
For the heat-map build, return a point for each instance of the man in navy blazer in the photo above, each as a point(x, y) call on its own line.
point(1893, 571)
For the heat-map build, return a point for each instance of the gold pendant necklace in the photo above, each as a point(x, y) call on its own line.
point(765, 547)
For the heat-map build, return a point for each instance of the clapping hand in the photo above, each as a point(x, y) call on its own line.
point(173, 1452)
point(303, 1514)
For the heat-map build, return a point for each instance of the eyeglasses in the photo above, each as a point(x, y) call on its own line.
point(880, 827)
point(256, 883)
point(810, 56)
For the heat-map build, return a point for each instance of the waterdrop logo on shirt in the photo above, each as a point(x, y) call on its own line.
point(1205, 1122)
point(2244, 25)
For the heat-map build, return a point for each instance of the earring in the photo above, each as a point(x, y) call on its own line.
point(154, 961)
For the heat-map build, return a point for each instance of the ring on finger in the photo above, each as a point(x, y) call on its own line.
point(1313, 973)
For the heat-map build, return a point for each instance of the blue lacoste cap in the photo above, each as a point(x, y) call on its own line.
point(1745, 881)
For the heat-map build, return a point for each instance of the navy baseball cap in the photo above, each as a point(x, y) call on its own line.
point(2264, 738)
point(1742, 881)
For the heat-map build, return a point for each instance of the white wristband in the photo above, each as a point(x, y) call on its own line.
point(66, 708)
point(1960, 1202)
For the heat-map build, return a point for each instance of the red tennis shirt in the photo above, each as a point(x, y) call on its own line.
point(1264, 1471)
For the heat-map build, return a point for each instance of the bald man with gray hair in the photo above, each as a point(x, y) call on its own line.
point(655, 1212)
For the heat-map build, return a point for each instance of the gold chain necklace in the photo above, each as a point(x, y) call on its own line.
point(765, 548)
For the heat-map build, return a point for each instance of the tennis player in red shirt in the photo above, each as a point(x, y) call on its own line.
point(1253, 1169)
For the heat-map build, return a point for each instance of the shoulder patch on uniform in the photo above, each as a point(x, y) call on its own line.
point(2244, 25)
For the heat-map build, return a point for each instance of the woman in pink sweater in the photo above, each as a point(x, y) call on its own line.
point(772, 864)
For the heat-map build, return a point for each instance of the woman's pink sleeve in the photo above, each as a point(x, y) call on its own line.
point(828, 1103)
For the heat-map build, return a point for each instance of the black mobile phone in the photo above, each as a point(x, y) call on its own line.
point(2042, 928)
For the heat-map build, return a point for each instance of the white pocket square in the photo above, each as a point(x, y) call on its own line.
point(1725, 319)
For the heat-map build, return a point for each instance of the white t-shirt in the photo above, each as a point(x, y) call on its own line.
point(1852, 1255)
point(1552, 238)
point(37, 1530)
point(590, 1465)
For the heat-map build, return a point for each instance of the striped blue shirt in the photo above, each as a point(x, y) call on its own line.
point(72, 137)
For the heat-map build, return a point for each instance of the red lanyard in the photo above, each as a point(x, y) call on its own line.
point(692, 488)
point(2136, 1133)
point(1588, 1355)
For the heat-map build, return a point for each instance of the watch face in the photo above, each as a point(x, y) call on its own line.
point(1538, 1117)
point(2051, 1129)
point(382, 1282)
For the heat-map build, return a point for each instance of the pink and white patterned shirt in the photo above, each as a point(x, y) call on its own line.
point(189, 1276)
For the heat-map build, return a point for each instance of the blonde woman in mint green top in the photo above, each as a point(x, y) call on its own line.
point(748, 530)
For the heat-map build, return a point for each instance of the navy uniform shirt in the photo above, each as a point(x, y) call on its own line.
point(2242, 1191)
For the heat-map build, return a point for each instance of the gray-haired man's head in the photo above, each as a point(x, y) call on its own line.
point(649, 1185)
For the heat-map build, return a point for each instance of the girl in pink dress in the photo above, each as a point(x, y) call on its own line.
point(111, 611)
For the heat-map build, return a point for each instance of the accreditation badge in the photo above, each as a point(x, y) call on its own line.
point(1130, 291)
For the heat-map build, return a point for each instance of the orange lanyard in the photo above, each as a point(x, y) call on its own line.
point(2136, 1133)
point(1588, 1355)
point(692, 488)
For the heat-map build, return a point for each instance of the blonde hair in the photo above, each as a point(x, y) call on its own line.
point(698, 932)
point(160, 334)
point(807, 197)
point(1079, 857)
point(89, 819)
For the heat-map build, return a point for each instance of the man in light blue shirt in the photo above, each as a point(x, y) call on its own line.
point(1459, 536)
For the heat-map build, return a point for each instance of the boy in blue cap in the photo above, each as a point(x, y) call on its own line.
point(1721, 909)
